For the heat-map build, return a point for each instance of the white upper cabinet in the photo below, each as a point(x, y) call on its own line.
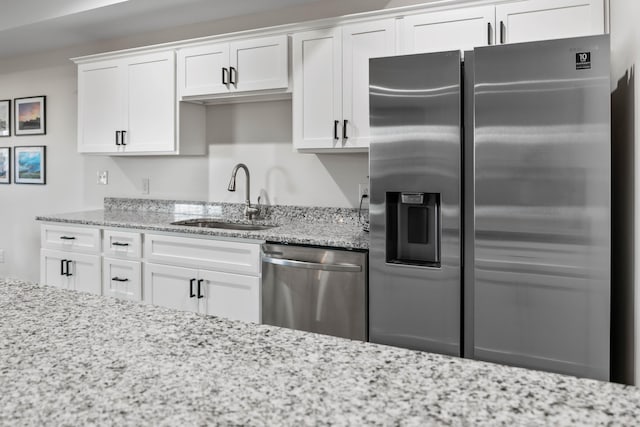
point(238, 66)
point(317, 88)
point(331, 84)
point(127, 105)
point(457, 29)
point(548, 19)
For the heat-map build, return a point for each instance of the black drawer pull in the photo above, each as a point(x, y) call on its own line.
point(119, 244)
point(232, 70)
point(67, 238)
point(123, 134)
point(117, 137)
point(117, 279)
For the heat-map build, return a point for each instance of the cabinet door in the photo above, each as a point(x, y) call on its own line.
point(52, 268)
point(359, 43)
point(232, 296)
point(74, 271)
point(150, 104)
point(259, 64)
point(458, 29)
point(200, 70)
point(317, 93)
point(549, 19)
point(84, 273)
point(100, 97)
point(122, 279)
point(172, 287)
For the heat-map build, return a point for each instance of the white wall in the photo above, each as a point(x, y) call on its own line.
point(625, 65)
point(257, 134)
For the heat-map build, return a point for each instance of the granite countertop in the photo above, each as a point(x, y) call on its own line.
point(70, 358)
point(335, 227)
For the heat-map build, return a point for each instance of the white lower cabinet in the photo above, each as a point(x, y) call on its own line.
point(122, 279)
point(233, 296)
point(68, 270)
point(203, 275)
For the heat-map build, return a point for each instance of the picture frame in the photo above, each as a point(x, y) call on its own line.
point(5, 165)
point(29, 165)
point(30, 115)
point(5, 117)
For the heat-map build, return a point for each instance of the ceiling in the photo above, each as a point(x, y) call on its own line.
point(29, 26)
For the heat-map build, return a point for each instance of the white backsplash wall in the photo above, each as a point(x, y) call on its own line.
point(259, 135)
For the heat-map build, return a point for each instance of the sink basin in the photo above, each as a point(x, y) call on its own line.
point(212, 223)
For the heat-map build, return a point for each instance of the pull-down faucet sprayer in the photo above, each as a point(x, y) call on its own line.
point(249, 211)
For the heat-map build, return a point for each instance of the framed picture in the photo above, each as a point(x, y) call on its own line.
point(29, 165)
point(5, 117)
point(5, 165)
point(30, 116)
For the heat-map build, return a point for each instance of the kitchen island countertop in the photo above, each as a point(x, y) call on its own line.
point(70, 358)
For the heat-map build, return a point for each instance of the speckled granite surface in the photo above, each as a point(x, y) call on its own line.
point(336, 227)
point(69, 358)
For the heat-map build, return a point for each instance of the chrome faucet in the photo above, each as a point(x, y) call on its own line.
point(249, 211)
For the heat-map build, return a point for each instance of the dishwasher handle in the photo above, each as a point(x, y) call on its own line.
point(346, 268)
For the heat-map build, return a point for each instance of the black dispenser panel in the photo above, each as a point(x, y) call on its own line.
point(413, 228)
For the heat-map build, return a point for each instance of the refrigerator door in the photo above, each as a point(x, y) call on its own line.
point(541, 266)
point(415, 255)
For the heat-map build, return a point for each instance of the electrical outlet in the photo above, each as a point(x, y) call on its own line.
point(363, 190)
point(103, 177)
point(145, 185)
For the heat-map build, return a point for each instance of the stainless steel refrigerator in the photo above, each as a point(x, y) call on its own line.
point(490, 204)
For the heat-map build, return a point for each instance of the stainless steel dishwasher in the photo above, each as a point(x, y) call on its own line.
point(315, 289)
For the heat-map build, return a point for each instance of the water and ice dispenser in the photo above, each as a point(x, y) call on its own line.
point(413, 228)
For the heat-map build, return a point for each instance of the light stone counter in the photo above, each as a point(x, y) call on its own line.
point(70, 358)
point(336, 227)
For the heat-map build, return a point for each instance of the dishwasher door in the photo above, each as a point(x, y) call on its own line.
point(315, 289)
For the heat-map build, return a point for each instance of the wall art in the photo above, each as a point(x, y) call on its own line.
point(5, 117)
point(29, 165)
point(5, 165)
point(30, 116)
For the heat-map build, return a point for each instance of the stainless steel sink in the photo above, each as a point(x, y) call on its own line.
point(212, 223)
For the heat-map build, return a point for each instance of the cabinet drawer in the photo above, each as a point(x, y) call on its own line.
point(122, 279)
point(230, 257)
point(68, 238)
point(122, 244)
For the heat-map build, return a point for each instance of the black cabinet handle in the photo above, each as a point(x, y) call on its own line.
point(503, 31)
point(231, 71)
point(335, 129)
point(117, 137)
point(344, 130)
point(224, 76)
point(67, 238)
point(117, 279)
point(62, 267)
point(123, 134)
point(68, 272)
point(191, 294)
point(489, 33)
point(199, 285)
point(119, 244)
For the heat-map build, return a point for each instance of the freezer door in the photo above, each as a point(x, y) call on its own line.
point(415, 262)
point(542, 206)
